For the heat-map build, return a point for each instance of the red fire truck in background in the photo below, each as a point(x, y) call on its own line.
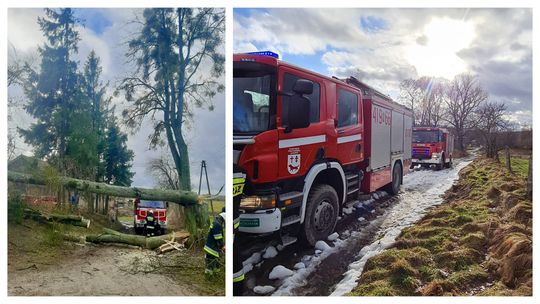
point(432, 146)
point(309, 144)
point(150, 217)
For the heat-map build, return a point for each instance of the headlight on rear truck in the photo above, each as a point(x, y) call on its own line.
point(258, 202)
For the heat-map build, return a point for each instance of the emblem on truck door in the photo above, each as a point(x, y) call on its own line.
point(293, 163)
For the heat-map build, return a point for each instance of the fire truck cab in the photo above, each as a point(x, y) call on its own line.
point(309, 144)
point(432, 146)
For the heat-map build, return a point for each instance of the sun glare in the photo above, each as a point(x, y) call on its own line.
point(442, 39)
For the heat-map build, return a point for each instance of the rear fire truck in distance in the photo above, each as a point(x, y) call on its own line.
point(309, 144)
point(432, 146)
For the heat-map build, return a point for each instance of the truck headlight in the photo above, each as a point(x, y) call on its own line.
point(258, 202)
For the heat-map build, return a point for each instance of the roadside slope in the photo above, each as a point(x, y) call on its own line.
point(478, 242)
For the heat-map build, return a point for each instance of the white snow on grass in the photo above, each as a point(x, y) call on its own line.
point(322, 246)
point(348, 210)
point(262, 290)
point(332, 237)
point(253, 259)
point(280, 272)
point(270, 252)
point(422, 190)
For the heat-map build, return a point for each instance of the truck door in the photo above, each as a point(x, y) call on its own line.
point(349, 126)
point(298, 148)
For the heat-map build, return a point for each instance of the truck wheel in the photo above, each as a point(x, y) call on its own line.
point(321, 214)
point(138, 230)
point(396, 179)
point(449, 163)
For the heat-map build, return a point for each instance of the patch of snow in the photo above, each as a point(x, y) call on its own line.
point(253, 259)
point(280, 247)
point(348, 210)
point(247, 268)
point(318, 251)
point(299, 265)
point(361, 219)
point(262, 290)
point(270, 252)
point(280, 272)
point(322, 246)
point(332, 237)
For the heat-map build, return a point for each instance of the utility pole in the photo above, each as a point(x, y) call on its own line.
point(203, 167)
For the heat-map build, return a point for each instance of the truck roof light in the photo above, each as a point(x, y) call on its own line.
point(265, 53)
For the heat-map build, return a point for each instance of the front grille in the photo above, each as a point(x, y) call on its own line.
point(421, 153)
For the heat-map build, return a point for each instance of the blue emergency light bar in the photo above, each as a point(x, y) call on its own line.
point(265, 53)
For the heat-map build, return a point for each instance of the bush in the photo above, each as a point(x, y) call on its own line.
point(15, 209)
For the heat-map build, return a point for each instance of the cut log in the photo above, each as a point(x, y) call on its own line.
point(184, 198)
point(59, 218)
point(112, 236)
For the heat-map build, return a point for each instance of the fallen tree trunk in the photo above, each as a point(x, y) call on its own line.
point(112, 236)
point(74, 220)
point(184, 198)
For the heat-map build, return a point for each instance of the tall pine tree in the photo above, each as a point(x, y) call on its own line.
point(53, 90)
point(117, 157)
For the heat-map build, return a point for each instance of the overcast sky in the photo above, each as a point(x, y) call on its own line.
point(106, 31)
point(385, 46)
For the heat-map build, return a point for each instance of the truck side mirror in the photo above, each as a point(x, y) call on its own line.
point(298, 112)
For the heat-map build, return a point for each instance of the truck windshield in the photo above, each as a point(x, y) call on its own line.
point(253, 100)
point(152, 204)
point(425, 136)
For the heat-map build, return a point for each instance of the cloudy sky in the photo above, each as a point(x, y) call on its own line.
point(106, 31)
point(385, 46)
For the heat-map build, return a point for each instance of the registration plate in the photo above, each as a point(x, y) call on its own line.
point(249, 222)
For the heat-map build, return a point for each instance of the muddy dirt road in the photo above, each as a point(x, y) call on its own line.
point(97, 270)
point(368, 227)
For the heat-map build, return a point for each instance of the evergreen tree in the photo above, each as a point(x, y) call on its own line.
point(117, 157)
point(53, 90)
point(94, 91)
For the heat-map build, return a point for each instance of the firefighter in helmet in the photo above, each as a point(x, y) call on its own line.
point(239, 180)
point(215, 243)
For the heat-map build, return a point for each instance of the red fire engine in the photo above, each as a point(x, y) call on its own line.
point(150, 217)
point(432, 146)
point(309, 144)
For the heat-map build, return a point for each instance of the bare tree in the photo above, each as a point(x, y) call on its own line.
point(411, 95)
point(491, 122)
point(425, 97)
point(164, 171)
point(463, 97)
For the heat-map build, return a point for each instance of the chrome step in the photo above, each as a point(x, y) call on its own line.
point(287, 240)
point(352, 176)
point(349, 192)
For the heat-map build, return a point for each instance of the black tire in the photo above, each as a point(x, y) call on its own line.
point(321, 214)
point(138, 230)
point(162, 231)
point(441, 165)
point(449, 163)
point(395, 185)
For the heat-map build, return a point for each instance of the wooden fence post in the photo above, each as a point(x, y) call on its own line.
point(530, 179)
point(508, 164)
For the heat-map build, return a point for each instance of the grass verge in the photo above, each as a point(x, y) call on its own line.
point(479, 242)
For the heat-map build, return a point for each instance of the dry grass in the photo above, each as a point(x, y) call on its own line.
point(478, 243)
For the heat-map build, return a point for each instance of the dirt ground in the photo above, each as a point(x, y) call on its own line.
point(41, 264)
point(95, 270)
